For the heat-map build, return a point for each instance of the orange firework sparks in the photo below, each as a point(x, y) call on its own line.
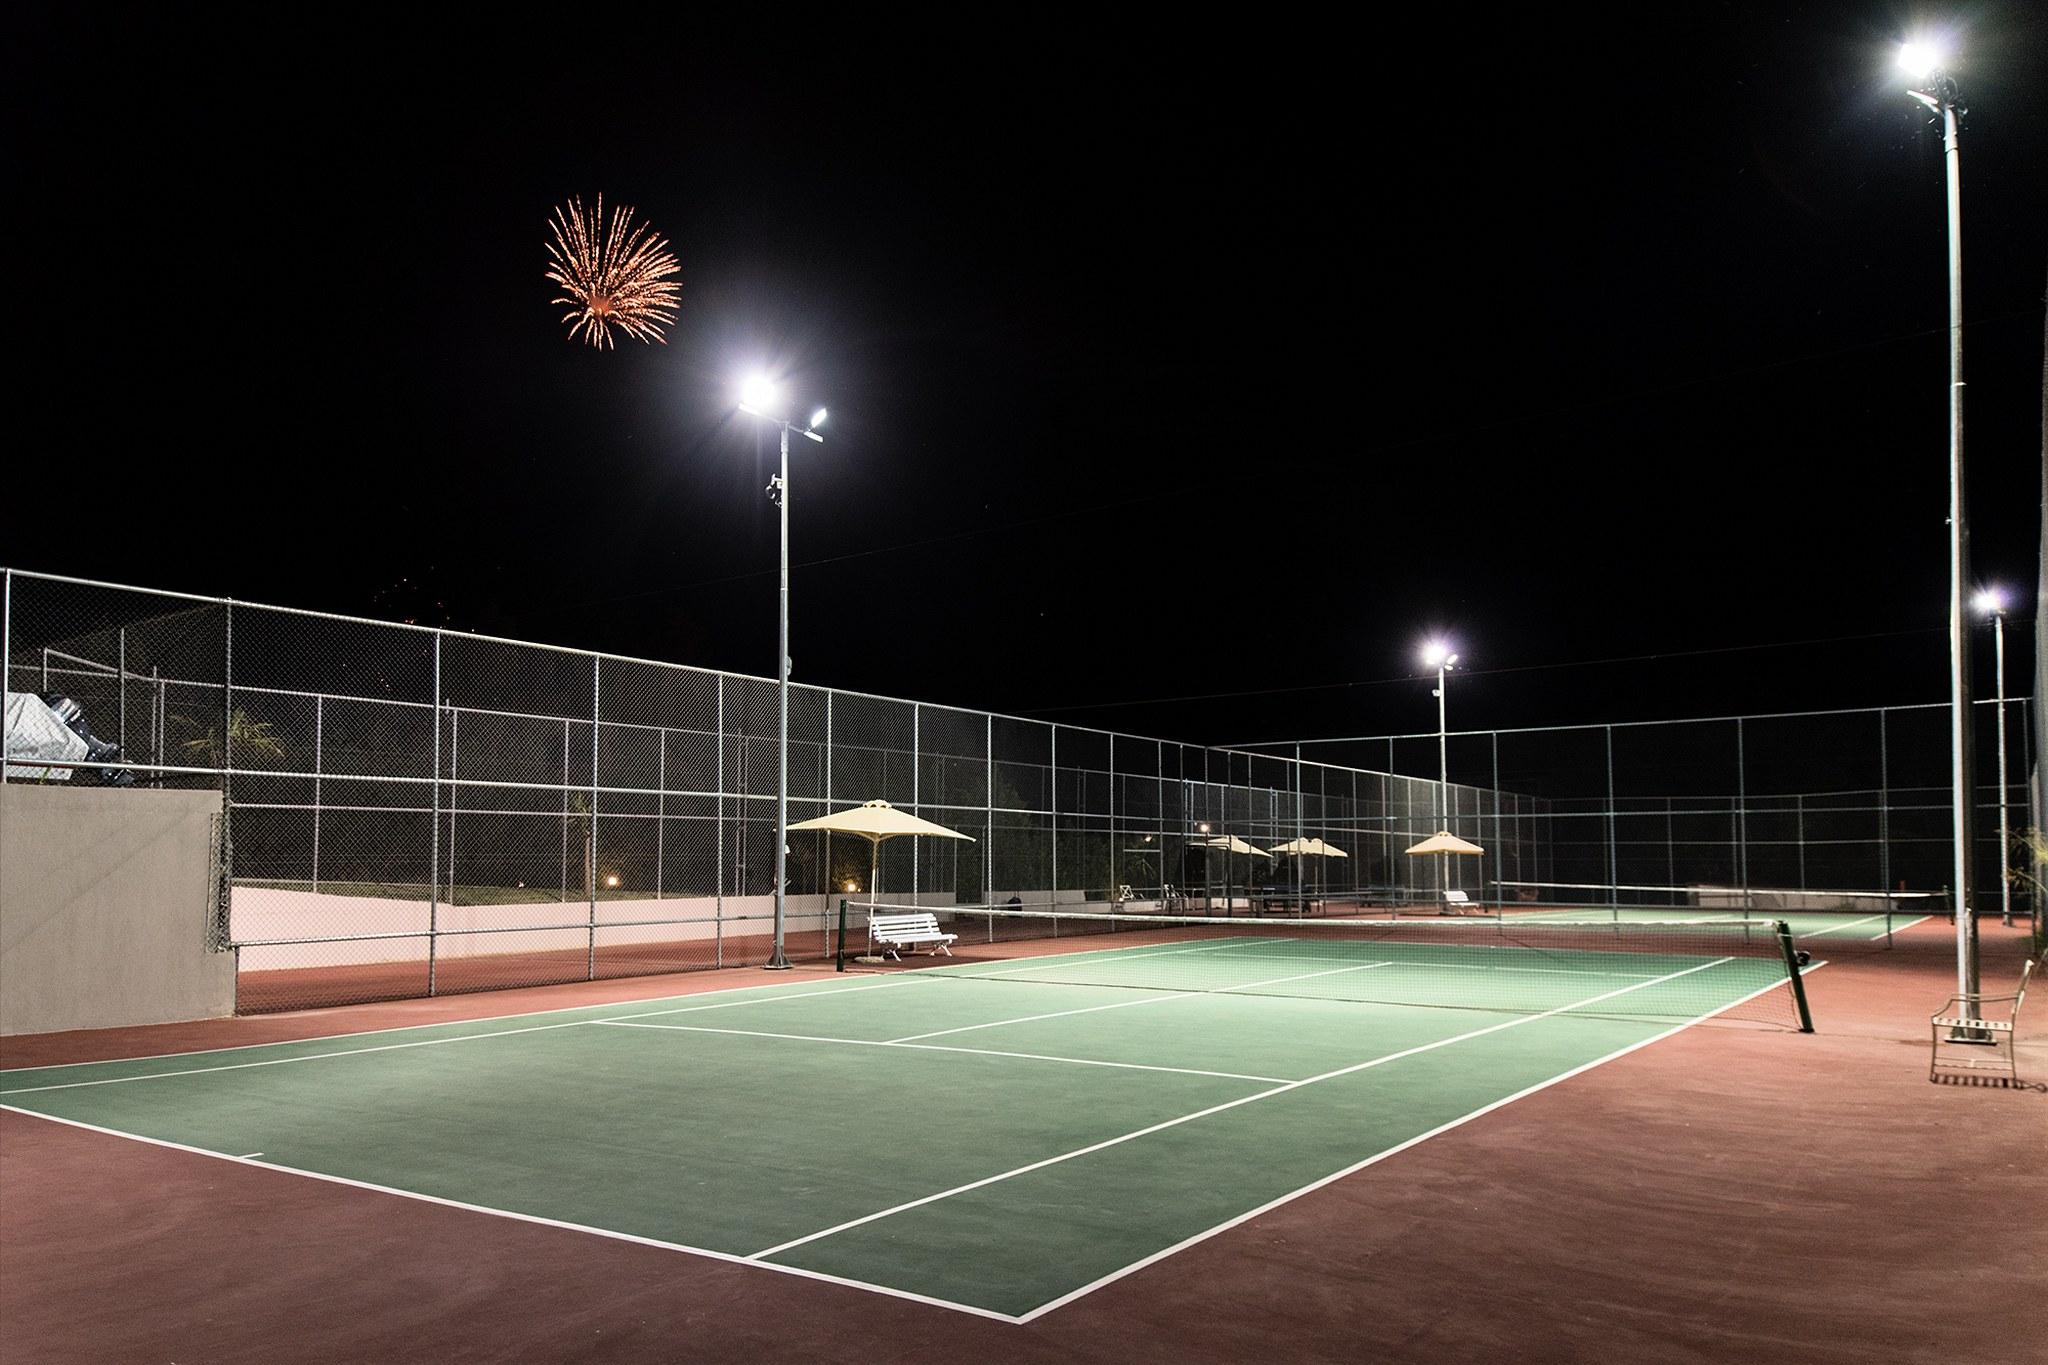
point(611, 277)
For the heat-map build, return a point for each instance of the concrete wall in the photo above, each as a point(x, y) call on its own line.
point(104, 898)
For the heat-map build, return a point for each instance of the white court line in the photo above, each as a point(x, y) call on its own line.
point(1165, 998)
point(1382, 1155)
point(1844, 924)
point(422, 1042)
point(1220, 1108)
point(728, 1257)
point(248, 1156)
point(1900, 929)
point(936, 1047)
point(412, 1028)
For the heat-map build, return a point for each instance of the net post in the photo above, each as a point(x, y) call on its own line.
point(1798, 981)
point(839, 956)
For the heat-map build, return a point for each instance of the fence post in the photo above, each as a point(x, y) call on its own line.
point(988, 791)
point(590, 847)
point(1053, 801)
point(227, 763)
point(454, 790)
point(1499, 847)
point(434, 839)
point(319, 761)
point(1742, 814)
point(660, 808)
point(916, 778)
point(718, 836)
point(6, 646)
point(1884, 800)
point(564, 898)
point(1613, 858)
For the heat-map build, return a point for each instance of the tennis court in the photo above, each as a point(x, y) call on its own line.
point(1000, 1134)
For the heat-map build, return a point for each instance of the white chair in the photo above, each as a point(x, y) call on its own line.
point(1979, 1041)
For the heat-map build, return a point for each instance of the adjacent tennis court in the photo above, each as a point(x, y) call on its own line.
point(998, 1135)
point(1879, 926)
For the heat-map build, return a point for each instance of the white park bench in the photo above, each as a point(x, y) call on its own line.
point(1980, 1040)
point(891, 932)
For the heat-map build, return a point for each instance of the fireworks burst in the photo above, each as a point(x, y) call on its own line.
point(611, 277)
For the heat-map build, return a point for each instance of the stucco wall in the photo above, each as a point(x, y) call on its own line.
point(104, 896)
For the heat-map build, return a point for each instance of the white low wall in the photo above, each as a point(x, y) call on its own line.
point(262, 914)
point(105, 897)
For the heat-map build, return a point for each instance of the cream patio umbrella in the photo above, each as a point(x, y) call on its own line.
point(874, 822)
point(1308, 848)
point(1444, 844)
point(1231, 844)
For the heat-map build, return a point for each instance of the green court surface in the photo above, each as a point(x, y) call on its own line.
point(970, 1135)
point(1847, 926)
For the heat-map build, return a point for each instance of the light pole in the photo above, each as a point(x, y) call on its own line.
point(1925, 63)
point(756, 399)
point(1438, 655)
point(1991, 602)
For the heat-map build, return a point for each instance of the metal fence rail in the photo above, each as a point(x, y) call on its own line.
point(413, 810)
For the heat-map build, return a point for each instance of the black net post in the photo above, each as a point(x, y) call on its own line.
point(1798, 980)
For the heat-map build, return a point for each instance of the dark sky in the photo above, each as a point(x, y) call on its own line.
point(1183, 362)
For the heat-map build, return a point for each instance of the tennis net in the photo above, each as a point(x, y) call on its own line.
point(1678, 969)
point(1848, 917)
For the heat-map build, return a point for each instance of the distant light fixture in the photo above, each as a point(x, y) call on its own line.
point(757, 394)
point(853, 886)
point(1204, 827)
point(818, 418)
point(1989, 602)
point(612, 879)
point(1437, 654)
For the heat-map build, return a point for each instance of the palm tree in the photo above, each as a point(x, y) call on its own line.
point(245, 737)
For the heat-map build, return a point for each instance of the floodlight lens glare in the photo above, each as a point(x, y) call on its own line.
point(758, 391)
point(1989, 601)
point(818, 418)
point(1434, 653)
point(1920, 59)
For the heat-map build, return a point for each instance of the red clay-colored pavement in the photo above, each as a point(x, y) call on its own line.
point(1732, 1193)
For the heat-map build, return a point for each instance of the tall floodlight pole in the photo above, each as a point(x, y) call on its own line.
point(1925, 62)
point(1991, 602)
point(1438, 655)
point(755, 400)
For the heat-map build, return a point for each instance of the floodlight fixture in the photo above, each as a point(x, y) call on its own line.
point(757, 394)
point(1921, 58)
point(818, 418)
point(1989, 602)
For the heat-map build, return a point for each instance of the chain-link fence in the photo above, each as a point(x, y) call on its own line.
point(417, 811)
point(1823, 801)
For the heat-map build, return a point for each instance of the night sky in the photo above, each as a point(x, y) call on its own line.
point(1180, 363)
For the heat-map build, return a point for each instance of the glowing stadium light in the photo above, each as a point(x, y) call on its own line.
point(818, 418)
point(1436, 653)
point(1989, 602)
point(1920, 58)
point(757, 394)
